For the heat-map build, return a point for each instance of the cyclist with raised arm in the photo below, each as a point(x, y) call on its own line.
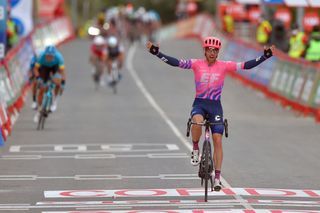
point(49, 66)
point(209, 74)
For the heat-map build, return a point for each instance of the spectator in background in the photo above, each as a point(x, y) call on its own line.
point(279, 36)
point(263, 31)
point(298, 40)
point(227, 22)
point(12, 31)
point(313, 46)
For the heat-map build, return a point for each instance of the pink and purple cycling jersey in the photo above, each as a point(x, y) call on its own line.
point(209, 80)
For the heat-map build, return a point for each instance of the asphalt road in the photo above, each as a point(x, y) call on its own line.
point(127, 152)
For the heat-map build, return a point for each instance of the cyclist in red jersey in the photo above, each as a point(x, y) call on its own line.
point(209, 79)
point(97, 58)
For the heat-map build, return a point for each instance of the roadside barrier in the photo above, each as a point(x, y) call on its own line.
point(295, 83)
point(15, 67)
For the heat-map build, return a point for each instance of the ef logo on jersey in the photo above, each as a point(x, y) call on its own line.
point(209, 77)
point(217, 118)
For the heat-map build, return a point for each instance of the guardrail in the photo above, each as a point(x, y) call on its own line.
point(15, 67)
point(294, 83)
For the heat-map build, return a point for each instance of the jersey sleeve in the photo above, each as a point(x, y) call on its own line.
point(39, 60)
point(232, 66)
point(60, 60)
point(185, 64)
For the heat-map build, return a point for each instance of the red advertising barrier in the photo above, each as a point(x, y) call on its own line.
point(15, 67)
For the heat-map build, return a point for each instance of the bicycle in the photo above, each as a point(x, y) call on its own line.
point(115, 76)
point(97, 73)
point(46, 104)
point(206, 164)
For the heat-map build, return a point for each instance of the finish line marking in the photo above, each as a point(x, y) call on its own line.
point(183, 192)
point(195, 211)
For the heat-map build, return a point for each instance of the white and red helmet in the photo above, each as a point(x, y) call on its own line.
point(211, 42)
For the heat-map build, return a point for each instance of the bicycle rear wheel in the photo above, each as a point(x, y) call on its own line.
point(206, 153)
point(115, 76)
point(43, 119)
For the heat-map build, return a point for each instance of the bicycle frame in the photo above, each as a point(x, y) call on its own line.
point(46, 104)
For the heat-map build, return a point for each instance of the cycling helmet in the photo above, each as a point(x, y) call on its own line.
point(50, 50)
point(112, 41)
point(211, 42)
point(99, 40)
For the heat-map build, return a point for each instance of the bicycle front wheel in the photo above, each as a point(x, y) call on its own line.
point(206, 153)
point(41, 121)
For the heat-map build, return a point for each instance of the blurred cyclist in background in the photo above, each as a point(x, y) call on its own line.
point(33, 82)
point(97, 58)
point(115, 52)
point(209, 78)
point(100, 27)
point(49, 66)
point(152, 23)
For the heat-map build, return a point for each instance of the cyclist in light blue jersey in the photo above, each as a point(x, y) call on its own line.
point(49, 66)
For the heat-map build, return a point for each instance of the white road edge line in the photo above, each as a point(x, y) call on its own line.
point(164, 116)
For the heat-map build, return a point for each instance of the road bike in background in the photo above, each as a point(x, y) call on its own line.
point(206, 161)
point(115, 75)
point(98, 71)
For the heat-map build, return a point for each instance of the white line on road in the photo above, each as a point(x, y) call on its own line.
point(94, 156)
point(162, 113)
point(94, 148)
point(98, 177)
point(128, 204)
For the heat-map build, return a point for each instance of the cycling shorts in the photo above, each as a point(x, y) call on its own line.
point(46, 72)
point(212, 109)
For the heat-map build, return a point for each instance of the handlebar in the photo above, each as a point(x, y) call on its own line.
point(207, 123)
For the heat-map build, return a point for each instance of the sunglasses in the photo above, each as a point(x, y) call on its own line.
point(211, 50)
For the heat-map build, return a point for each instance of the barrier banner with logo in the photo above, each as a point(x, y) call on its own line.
point(1, 138)
point(315, 97)
point(21, 14)
point(3, 26)
point(6, 91)
point(18, 65)
point(309, 86)
point(299, 78)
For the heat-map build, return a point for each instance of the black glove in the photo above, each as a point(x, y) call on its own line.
point(154, 50)
point(63, 83)
point(267, 53)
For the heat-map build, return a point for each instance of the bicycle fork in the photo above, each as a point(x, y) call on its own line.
point(210, 161)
